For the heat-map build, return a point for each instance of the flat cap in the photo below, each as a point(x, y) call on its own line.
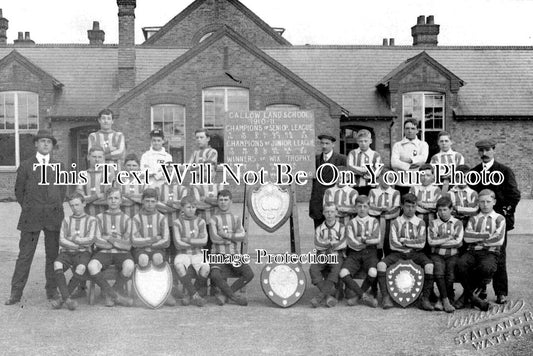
point(486, 143)
point(327, 137)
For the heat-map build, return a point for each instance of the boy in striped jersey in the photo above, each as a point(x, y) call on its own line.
point(113, 142)
point(464, 199)
point(93, 191)
point(330, 239)
point(113, 241)
point(131, 190)
point(77, 234)
point(427, 194)
point(445, 238)
point(227, 235)
point(190, 236)
point(446, 156)
point(360, 157)
point(204, 154)
point(384, 206)
point(343, 196)
point(484, 234)
point(407, 241)
point(150, 236)
point(362, 236)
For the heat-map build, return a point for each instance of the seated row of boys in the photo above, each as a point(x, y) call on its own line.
point(357, 242)
point(119, 240)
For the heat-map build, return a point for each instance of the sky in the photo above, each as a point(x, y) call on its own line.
point(343, 22)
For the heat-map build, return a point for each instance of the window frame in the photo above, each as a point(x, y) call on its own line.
point(422, 123)
point(167, 137)
point(16, 117)
point(225, 88)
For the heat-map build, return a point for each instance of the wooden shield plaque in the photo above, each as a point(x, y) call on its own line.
point(153, 285)
point(404, 282)
point(284, 284)
point(270, 206)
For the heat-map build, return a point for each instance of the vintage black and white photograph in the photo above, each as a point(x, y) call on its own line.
point(195, 177)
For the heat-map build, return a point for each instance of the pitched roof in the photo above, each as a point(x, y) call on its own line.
point(226, 31)
point(189, 9)
point(29, 65)
point(499, 80)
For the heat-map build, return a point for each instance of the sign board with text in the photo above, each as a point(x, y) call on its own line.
point(259, 139)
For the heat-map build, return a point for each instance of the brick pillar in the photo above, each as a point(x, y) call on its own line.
point(126, 44)
point(4, 25)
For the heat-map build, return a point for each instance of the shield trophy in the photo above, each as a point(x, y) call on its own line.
point(283, 284)
point(404, 282)
point(153, 284)
point(270, 206)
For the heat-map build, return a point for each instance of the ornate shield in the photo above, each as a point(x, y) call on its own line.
point(404, 282)
point(283, 284)
point(153, 285)
point(270, 206)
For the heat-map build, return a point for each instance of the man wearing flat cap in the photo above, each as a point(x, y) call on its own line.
point(327, 142)
point(42, 210)
point(507, 198)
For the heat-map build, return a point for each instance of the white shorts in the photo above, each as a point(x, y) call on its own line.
point(197, 261)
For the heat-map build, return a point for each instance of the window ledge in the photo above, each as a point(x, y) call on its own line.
point(8, 169)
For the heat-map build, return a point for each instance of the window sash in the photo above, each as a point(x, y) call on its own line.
point(217, 101)
point(171, 119)
point(19, 116)
point(427, 108)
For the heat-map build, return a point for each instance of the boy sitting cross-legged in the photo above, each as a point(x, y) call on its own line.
point(190, 236)
point(77, 234)
point(407, 241)
point(362, 235)
point(329, 240)
point(445, 238)
point(227, 234)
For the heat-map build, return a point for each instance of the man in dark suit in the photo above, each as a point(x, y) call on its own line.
point(507, 198)
point(42, 210)
point(327, 156)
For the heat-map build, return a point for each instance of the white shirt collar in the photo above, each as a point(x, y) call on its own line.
point(40, 158)
point(327, 156)
point(489, 164)
point(405, 140)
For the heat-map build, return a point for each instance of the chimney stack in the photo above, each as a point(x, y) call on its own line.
point(126, 44)
point(4, 25)
point(96, 36)
point(425, 32)
point(391, 41)
point(385, 42)
point(24, 39)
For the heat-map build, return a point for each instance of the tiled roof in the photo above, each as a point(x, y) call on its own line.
point(498, 80)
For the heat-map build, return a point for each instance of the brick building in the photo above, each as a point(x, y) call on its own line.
point(216, 55)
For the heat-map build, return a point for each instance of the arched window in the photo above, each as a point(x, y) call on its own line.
point(19, 122)
point(171, 119)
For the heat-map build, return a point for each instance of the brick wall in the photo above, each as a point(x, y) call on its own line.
point(207, 18)
point(185, 85)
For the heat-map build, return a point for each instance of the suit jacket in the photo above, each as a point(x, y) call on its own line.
point(42, 205)
point(507, 193)
point(317, 194)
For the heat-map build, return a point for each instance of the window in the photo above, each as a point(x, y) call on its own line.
point(204, 37)
point(217, 101)
point(171, 119)
point(428, 110)
point(19, 122)
point(282, 107)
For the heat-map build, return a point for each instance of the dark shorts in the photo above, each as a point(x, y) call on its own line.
point(228, 270)
point(444, 266)
point(139, 251)
point(419, 258)
point(327, 271)
point(366, 259)
point(73, 259)
point(108, 259)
